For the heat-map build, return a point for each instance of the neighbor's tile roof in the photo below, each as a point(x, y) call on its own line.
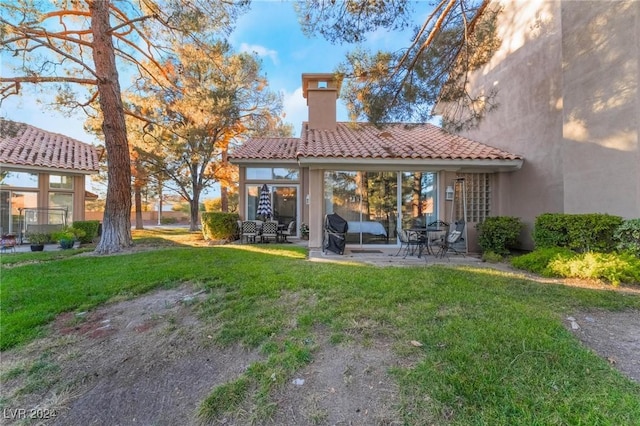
point(365, 141)
point(268, 149)
point(395, 141)
point(25, 145)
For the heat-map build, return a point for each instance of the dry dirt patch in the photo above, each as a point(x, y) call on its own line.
point(144, 361)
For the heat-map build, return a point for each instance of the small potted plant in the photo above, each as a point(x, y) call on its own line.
point(37, 240)
point(304, 231)
point(68, 236)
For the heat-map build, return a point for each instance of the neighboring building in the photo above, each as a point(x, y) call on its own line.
point(567, 80)
point(379, 179)
point(42, 177)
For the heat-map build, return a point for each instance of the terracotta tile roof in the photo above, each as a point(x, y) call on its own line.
point(395, 141)
point(25, 145)
point(365, 141)
point(268, 149)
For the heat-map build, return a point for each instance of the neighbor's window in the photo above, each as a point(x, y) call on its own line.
point(60, 182)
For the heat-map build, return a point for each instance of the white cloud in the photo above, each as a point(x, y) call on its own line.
point(295, 109)
point(260, 51)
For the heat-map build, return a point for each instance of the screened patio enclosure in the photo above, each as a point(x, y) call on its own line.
point(377, 205)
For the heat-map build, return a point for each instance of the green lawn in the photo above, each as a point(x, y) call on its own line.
point(494, 350)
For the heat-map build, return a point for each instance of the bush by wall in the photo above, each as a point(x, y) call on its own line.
point(562, 262)
point(498, 233)
point(627, 237)
point(611, 267)
point(579, 232)
point(538, 260)
point(90, 228)
point(220, 226)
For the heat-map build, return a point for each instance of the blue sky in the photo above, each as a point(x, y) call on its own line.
point(269, 29)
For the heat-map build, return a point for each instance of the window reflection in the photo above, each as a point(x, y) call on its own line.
point(19, 179)
point(268, 173)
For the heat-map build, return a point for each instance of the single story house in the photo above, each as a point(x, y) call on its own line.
point(42, 177)
point(380, 180)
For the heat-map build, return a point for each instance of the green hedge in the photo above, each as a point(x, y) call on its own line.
point(579, 232)
point(90, 228)
point(627, 237)
point(220, 226)
point(499, 233)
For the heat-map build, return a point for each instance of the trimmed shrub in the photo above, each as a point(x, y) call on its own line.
point(90, 228)
point(538, 261)
point(627, 237)
point(562, 262)
point(579, 232)
point(612, 267)
point(550, 230)
point(499, 233)
point(593, 232)
point(220, 226)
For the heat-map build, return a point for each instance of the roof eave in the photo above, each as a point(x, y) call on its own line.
point(483, 165)
point(28, 168)
point(248, 162)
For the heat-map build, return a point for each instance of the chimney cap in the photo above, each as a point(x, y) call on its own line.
point(313, 80)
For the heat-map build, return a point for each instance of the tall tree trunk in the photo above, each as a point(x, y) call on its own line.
point(116, 225)
point(224, 194)
point(224, 199)
point(194, 205)
point(159, 203)
point(137, 195)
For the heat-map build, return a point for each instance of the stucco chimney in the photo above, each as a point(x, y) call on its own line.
point(321, 90)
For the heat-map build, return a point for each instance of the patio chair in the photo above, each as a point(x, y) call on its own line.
point(409, 242)
point(290, 231)
point(436, 238)
point(269, 231)
point(249, 231)
point(452, 238)
point(239, 230)
point(8, 243)
point(335, 234)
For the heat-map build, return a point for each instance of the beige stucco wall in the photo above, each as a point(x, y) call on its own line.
point(567, 81)
point(601, 108)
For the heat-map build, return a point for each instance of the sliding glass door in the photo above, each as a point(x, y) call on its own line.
point(419, 198)
point(368, 201)
point(284, 202)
